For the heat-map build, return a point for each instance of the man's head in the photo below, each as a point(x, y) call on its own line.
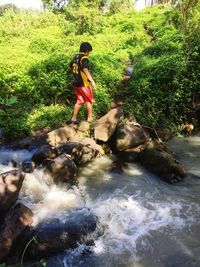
point(85, 47)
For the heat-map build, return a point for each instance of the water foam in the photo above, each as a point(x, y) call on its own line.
point(128, 217)
point(17, 155)
point(129, 206)
point(46, 199)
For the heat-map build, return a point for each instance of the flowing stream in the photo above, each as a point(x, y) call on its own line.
point(145, 222)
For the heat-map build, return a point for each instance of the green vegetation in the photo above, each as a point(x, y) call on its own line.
point(36, 49)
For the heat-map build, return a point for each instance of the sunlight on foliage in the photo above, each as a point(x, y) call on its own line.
point(36, 48)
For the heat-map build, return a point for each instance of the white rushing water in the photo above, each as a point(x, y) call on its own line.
point(145, 222)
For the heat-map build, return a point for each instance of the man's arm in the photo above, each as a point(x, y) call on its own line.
point(89, 77)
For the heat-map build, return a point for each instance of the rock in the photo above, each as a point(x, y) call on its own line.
point(106, 125)
point(10, 162)
point(55, 236)
point(156, 157)
point(84, 126)
point(40, 134)
point(79, 152)
point(62, 169)
point(187, 128)
point(118, 166)
point(10, 185)
point(15, 222)
point(61, 135)
point(68, 147)
point(164, 134)
point(91, 142)
point(87, 141)
point(128, 136)
point(43, 153)
point(23, 143)
point(28, 166)
point(128, 155)
point(83, 154)
point(162, 164)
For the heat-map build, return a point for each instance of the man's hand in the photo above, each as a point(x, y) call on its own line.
point(89, 76)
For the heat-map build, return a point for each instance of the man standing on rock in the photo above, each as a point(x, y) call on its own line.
point(82, 80)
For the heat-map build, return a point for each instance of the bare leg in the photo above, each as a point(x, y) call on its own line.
point(89, 110)
point(75, 112)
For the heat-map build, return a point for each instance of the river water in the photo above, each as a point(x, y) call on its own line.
point(145, 222)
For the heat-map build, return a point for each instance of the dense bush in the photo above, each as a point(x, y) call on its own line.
point(159, 93)
point(36, 49)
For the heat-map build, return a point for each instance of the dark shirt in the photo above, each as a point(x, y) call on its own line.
point(78, 63)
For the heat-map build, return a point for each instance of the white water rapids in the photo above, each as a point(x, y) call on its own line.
point(146, 222)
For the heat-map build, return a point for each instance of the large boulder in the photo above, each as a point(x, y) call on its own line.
point(80, 153)
point(14, 224)
point(106, 125)
point(61, 135)
point(54, 236)
point(62, 169)
point(156, 157)
point(162, 164)
point(128, 136)
point(10, 185)
point(43, 153)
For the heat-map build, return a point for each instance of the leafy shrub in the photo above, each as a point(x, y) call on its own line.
point(14, 123)
point(36, 49)
point(49, 80)
point(48, 116)
point(159, 88)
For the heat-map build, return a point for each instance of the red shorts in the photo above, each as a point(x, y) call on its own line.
point(83, 95)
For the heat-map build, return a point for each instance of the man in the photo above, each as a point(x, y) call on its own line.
point(82, 80)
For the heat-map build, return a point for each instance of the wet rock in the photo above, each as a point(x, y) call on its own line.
point(10, 162)
point(128, 136)
point(10, 185)
point(106, 125)
point(164, 133)
point(156, 157)
point(83, 154)
point(54, 236)
point(43, 153)
point(162, 164)
point(23, 143)
point(15, 222)
point(28, 166)
point(118, 165)
point(62, 169)
point(128, 155)
point(61, 135)
point(67, 148)
point(96, 147)
point(79, 152)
